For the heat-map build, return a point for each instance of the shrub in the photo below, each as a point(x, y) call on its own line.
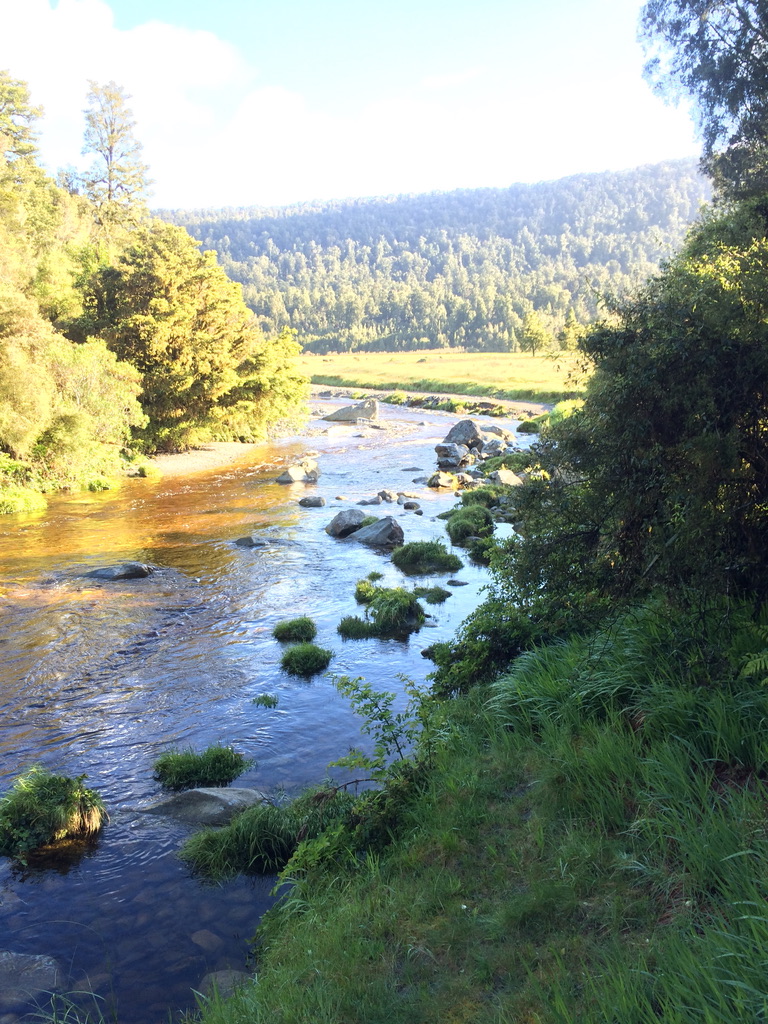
point(306, 659)
point(365, 591)
point(15, 499)
point(518, 462)
point(424, 556)
point(184, 769)
point(301, 630)
point(529, 427)
point(42, 808)
point(470, 521)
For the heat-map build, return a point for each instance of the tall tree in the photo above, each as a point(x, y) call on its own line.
point(717, 50)
point(117, 182)
point(17, 117)
point(171, 311)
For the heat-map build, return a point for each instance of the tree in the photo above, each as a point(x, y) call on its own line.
point(117, 182)
point(171, 312)
point(534, 336)
point(17, 117)
point(717, 50)
point(661, 480)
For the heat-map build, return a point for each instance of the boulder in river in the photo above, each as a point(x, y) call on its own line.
point(367, 410)
point(451, 456)
point(438, 480)
point(304, 472)
point(312, 501)
point(465, 432)
point(25, 977)
point(345, 522)
point(216, 805)
point(384, 533)
point(124, 571)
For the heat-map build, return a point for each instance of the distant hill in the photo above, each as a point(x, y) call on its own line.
point(487, 269)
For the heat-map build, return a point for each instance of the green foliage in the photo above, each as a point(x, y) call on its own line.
point(214, 766)
point(305, 659)
point(301, 630)
point(206, 370)
point(473, 520)
point(394, 733)
point(263, 838)
point(365, 591)
point(425, 556)
point(42, 808)
point(717, 52)
point(488, 495)
point(452, 270)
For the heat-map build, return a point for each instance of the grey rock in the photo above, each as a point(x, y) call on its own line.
point(312, 502)
point(439, 480)
point(252, 542)
point(389, 496)
point(465, 432)
point(505, 476)
point(457, 583)
point(224, 983)
point(411, 506)
point(345, 522)
point(126, 571)
point(506, 435)
point(24, 977)
point(384, 533)
point(451, 456)
point(367, 410)
point(492, 448)
point(304, 472)
point(206, 806)
point(370, 501)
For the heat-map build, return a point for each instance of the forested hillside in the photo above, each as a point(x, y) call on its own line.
point(117, 335)
point(486, 269)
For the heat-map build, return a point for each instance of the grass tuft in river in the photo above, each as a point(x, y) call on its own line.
point(424, 556)
point(301, 630)
point(42, 808)
point(306, 659)
point(215, 766)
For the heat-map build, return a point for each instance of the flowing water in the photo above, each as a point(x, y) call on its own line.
point(101, 677)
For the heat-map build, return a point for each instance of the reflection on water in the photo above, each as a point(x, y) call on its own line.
point(100, 677)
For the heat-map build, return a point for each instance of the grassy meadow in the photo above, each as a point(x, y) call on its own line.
point(506, 375)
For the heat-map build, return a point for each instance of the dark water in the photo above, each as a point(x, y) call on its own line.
point(99, 678)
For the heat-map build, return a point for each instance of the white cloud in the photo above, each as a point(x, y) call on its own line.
point(214, 134)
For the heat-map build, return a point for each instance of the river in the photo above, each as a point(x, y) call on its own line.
point(101, 677)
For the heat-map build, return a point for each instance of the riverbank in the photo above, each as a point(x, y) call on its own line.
point(547, 860)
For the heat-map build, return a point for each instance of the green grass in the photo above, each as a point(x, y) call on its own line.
point(185, 769)
point(43, 808)
point(15, 499)
point(305, 659)
point(473, 520)
point(263, 838)
point(586, 840)
point(433, 595)
point(301, 630)
point(510, 376)
point(420, 557)
point(352, 627)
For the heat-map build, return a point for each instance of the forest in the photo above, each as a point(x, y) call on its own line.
point(118, 336)
point(497, 270)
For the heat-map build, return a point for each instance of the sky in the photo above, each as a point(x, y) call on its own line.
point(263, 103)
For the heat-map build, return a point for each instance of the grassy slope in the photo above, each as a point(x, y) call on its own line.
point(499, 375)
point(604, 860)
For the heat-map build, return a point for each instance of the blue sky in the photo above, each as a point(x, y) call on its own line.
point(247, 102)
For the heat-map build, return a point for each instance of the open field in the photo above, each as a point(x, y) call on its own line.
point(495, 374)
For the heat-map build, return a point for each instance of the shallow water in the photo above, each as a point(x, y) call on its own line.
point(100, 677)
